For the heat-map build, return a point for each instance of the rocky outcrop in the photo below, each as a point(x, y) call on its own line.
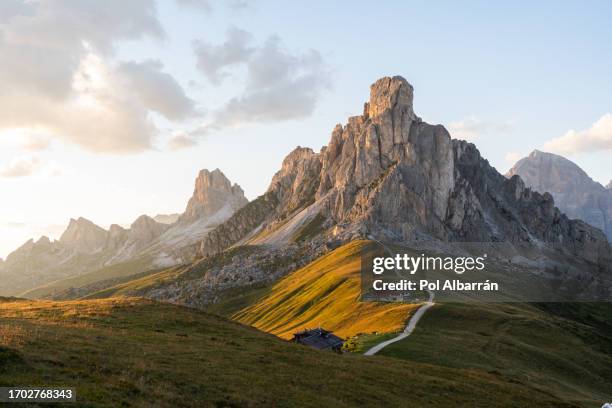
point(145, 229)
point(574, 192)
point(212, 192)
point(389, 175)
point(296, 183)
point(244, 221)
point(84, 236)
point(117, 235)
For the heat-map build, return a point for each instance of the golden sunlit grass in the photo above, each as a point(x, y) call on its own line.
point(13, 336)
point(325, 293)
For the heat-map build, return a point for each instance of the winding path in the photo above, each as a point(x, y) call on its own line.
point(411, 323)
point(407, 331)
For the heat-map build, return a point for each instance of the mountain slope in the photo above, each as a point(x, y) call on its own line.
point(575, 193)
point(140, 353)
point(325, 293)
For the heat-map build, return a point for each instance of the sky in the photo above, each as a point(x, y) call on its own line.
point(110, 109)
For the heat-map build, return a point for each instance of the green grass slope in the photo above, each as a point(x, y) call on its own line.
point(133, 352)
point(564, 350)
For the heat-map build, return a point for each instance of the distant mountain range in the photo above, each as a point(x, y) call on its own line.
point(385, 175)
point(147, 244)
point(575, 193)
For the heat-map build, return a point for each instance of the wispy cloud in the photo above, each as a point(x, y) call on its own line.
point(25, 166)
point(180, 141)
point(596, 138)
point(513, 157)
point(208, 5)
point(21, 167)
point(472, 128)
point(279, 84)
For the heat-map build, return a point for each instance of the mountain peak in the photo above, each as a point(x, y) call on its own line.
point(83, 235)
point(560, 165)
point(145, 229)
point(390, 93)
point(609, 186)
point(574, 192)
point(212, 192)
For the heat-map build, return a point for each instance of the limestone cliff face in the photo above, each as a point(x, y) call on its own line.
point(295, 184)
point(574, 192)
point(212, 192)
point(84, 236)
point(390, 175)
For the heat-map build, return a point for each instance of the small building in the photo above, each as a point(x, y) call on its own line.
point(320, 339)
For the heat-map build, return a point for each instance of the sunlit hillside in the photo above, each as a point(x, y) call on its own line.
point(325, 293)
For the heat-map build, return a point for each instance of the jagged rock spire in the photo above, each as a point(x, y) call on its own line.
point(212, 192)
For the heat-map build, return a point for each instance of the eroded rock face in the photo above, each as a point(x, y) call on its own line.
point(574, 192)
point(212, 192)
point(295, 184)
point(84, 236)
point(390, 175)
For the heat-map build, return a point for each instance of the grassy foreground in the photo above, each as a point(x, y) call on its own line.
point(133, 352)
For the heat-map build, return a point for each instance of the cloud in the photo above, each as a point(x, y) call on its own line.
point(596, 138)
point(280, 84)
point(207, 5)
point(513, 157)
point(29, 140)
point(15, 224)
point(157, 90)
point(21, 167)
point(35, 142)
point(25, 166)
point(204, 5)
point(60, 78)
point(213, 60)
point(181, 141)
point(472, 128)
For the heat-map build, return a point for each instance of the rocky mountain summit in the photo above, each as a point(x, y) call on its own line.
point(86, 247)
point(574, 192)
point(387, 174)
point(83, 236)
point(213, 192)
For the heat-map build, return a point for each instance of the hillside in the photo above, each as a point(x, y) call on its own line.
point(562, 349)
point(133, 352)
point(325, 293)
